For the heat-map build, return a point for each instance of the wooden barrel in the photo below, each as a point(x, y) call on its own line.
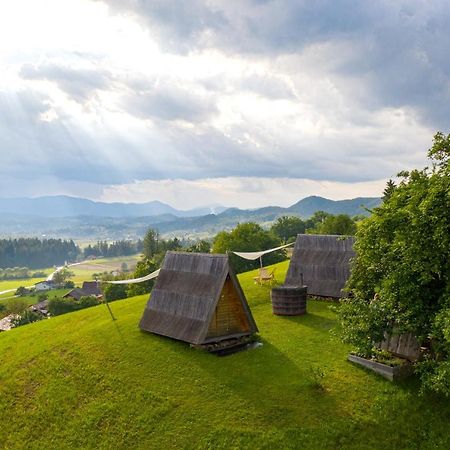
point(289, 300)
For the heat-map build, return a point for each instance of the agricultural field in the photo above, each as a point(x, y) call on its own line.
point(83, 381)
point(6, 285)
point(85, 270)
point(82, 272)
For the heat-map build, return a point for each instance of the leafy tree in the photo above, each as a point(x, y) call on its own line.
point(201, 246)
point(114, 291)
point(342, 224)
point(143, 268)
point(400, 279)
point(170, 245)
point(287, 228)
point(317, 218)
point(62, 276)
point(248, 237)
point(21, 291)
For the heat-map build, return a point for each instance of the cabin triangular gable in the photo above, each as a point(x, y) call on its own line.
point(192, 292)
point(230, 317)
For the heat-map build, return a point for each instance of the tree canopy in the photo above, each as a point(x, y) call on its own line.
point(36, 253)
point(248, 237)
point(342, 224)
point(287, 228)
point(400, 278)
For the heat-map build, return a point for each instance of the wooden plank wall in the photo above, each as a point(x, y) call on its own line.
point(403, 345)
point(229, 316)
point(323, 261)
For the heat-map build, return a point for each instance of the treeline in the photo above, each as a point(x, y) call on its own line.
point(117, 248)
point(19, 273)
point(287, 227)
point(18, 256)
point(36, 253)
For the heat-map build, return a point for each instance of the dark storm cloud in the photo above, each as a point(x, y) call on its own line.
point(399, 48)
point(178, 23)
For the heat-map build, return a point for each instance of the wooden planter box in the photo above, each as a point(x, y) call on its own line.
point(392, 373)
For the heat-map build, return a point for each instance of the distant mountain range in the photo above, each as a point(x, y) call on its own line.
point(65, 206)
point(81, 219)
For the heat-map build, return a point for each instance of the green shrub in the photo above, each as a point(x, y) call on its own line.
point(26, 317)
point(87, 301)
point(21, 291)
point(42, 296)
point(16, 306)
point(58, 306)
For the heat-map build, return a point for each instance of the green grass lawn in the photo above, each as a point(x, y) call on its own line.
point(83, 381)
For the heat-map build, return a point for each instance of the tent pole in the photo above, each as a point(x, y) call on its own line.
point(109, 309)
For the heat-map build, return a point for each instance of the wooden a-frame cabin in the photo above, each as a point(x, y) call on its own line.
point(197, 298)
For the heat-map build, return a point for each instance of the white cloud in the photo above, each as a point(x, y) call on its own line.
point(104, 93)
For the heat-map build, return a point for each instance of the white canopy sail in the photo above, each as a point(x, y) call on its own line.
point(252, 256)
point(136, 280)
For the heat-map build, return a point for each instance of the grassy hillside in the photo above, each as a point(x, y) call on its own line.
point(83, 381)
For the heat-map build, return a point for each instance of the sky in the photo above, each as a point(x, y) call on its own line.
point(241, 103)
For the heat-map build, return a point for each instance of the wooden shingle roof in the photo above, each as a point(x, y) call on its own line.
point(186, 294)
point(324, 263)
